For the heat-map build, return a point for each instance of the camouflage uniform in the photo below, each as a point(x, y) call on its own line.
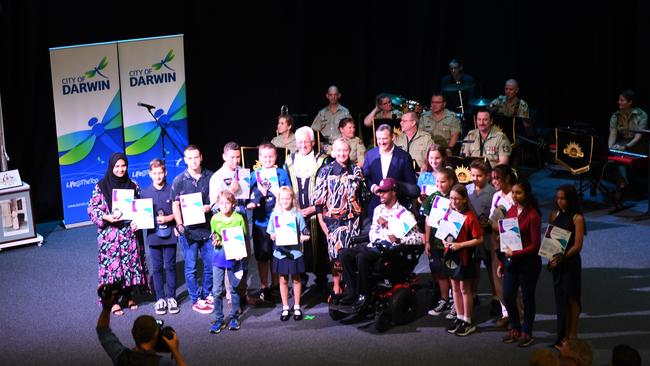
point(441, 130)
point(496, 144)
point(417, 147)
point(278, 141)
point(328, 123)
point(518, 108)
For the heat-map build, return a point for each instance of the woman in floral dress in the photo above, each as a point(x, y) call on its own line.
point(121, 251)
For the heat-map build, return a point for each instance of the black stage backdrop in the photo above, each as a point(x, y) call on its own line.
point(571, 60)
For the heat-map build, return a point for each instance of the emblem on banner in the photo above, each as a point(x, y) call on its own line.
point(573, 150)
point(463, 174)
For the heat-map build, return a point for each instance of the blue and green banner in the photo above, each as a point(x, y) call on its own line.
point(152, 72)
point(87, 104)
point(96, 96)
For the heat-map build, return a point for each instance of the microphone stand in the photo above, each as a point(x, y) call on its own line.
point(164, 133)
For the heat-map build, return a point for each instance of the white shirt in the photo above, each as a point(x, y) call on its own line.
point(385, 157)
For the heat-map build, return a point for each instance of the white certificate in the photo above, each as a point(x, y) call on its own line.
point(123, 201)
point(501, 207)
point(286, 231)
point(268, 176)
point(243, 177)
point(402, 223)
point(450, 225)
point(142, 213)
point(555, 241)
point(192, 208)
point(439, 208)
point(509, 234)
point(428, 189)
point(232, 239)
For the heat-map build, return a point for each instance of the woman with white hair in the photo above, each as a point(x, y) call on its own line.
point(337, 197)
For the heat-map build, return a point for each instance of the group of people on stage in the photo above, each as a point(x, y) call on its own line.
point(329, 197)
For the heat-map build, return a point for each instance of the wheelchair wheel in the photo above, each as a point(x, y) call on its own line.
point(382, 321)
point(403, 305)
point(337, 315)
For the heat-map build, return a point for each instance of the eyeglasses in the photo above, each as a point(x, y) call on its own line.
point(386, 103)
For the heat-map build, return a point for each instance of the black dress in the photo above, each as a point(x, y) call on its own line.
point(567, 277)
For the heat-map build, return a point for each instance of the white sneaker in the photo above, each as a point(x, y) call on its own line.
point(202, 307)
point(209, 300)
point(161, 307)
point(172, 306)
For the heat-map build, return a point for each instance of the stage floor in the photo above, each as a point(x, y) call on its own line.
point(49, 309)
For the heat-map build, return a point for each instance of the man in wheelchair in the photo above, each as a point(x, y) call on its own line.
point(388, 219)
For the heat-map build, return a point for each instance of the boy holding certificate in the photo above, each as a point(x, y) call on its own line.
point(231, 177)
point(229, 239)
point(162, 244)
point(263, 202)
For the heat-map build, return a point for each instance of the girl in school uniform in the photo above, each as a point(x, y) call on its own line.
point(288, 259)
point(460, 261)
point(567, 267)
point(434, 248)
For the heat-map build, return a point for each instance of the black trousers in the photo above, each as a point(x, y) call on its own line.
point(357, 266)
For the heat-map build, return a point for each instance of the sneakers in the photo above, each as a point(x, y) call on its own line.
point(525, 340)
point(442, 306)
point(172, 306)
point(511, 337)
point(465, 329)
point(202, 307)
point(161, 307)
point(216, 328)
point(453, 327)
point(451, 315)
point(210, 300)
point(234, 324)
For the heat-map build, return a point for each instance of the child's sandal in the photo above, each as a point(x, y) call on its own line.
point(285, 315)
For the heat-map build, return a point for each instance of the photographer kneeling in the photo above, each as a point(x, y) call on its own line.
point(358, 261)
point(146, 334)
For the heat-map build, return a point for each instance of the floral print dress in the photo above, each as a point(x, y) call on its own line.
point(121, 253)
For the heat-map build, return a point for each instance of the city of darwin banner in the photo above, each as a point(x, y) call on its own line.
point(86, 88)
point(152, 73)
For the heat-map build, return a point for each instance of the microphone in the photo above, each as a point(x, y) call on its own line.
point(284, 110)
point(148, 106)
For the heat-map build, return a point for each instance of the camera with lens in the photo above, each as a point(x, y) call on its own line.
point(106, 291)
point(164, 331)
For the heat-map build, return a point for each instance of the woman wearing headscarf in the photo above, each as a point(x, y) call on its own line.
point(121, 252)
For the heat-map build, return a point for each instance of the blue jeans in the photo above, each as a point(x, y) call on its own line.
point(233, 284)
point(164, 257)
point(190, 251)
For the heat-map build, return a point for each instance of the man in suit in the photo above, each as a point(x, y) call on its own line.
point(386, 160)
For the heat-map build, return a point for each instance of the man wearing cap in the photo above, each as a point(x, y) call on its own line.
point(384, 161)
point(358, 261)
